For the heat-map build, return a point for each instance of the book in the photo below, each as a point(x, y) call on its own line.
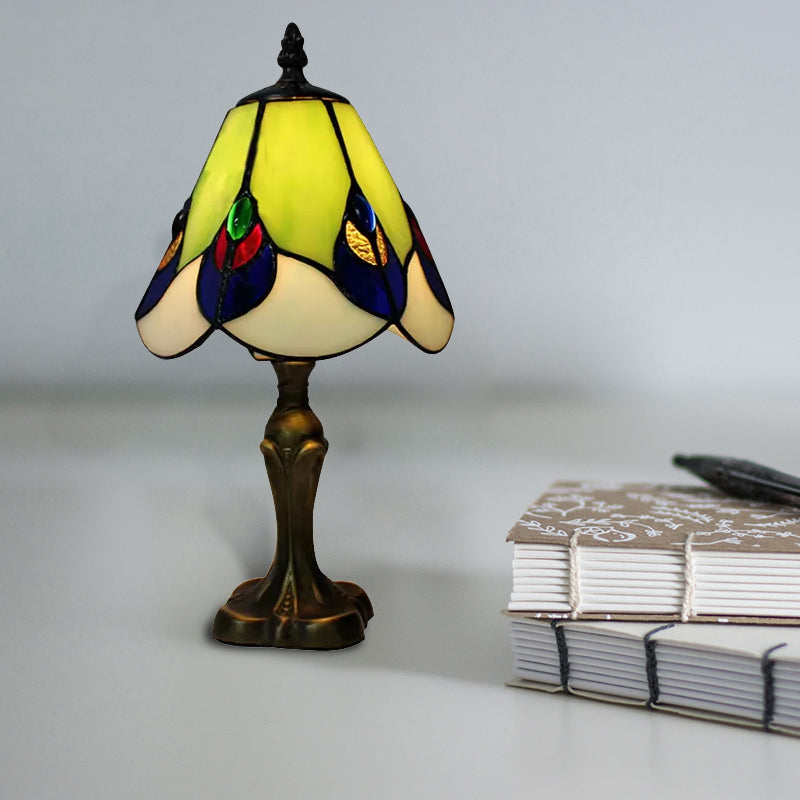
point(743, 674)
point(653, 552)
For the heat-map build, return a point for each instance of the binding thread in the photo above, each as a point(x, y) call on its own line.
point(574, 577)
point(767, 665)
point(688, 579)
point(563, 654)
point(651, 663)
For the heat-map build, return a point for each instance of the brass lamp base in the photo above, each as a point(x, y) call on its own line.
point(295, 605)
point(331, 625)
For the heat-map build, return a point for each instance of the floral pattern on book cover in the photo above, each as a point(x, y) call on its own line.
point(646, 515)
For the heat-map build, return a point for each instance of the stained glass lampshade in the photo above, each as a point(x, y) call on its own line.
point(296, 243)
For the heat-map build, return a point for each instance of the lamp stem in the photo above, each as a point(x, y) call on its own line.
point(295, 605)
point(294, 448)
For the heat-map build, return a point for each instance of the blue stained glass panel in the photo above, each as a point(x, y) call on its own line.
point(225, 294)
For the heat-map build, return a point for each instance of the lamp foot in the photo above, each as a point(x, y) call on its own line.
point(338, 622)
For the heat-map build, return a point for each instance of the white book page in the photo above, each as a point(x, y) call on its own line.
point(752, 640)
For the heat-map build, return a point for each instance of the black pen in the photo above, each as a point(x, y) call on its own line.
point(744, 479)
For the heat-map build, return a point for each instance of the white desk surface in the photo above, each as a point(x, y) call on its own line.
point(124, 525)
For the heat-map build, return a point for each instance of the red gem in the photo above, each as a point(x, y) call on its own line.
point(420, 238)
point(220, 249)
point(248, 247)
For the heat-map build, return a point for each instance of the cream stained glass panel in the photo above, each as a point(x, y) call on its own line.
point(304, 316)
point(175, 323)
point(424, 319)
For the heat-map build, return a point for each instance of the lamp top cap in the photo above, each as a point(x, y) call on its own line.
point(292, 54)
point(292, 85)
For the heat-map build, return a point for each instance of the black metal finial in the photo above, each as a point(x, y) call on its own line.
point(292, 56)
point(292, 84)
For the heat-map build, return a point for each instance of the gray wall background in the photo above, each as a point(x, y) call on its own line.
point(610, 188)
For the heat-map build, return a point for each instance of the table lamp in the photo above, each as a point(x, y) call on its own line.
point(296, 243)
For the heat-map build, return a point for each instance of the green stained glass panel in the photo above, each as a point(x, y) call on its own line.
point(300, 180)
point(219, 182)
point(374, 179)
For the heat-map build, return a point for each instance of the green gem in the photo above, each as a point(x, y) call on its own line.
point(239, 218)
